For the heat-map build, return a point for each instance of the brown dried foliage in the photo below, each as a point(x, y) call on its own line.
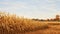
point(12, 24)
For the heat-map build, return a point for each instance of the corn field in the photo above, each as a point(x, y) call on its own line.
point(12, 24)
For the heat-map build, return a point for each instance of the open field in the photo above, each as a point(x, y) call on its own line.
point(53, 29)
point(12, 24)
point(51, 22)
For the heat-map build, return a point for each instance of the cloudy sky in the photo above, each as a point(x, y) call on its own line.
point(31, 8)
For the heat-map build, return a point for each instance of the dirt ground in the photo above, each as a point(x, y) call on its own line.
point(53, 29)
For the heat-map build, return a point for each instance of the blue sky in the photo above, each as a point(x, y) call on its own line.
point(31, 8)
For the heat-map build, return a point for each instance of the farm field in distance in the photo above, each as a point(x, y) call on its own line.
point(29, 16)
point(54, 28)
point(13, 24)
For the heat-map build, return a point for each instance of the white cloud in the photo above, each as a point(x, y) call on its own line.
point(12, 6)
point(45, 8)
point(5, 3)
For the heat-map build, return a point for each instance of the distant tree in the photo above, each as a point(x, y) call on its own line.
point(57, 18)
point(41, 20)
point(47, 19)
point(51, 19)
